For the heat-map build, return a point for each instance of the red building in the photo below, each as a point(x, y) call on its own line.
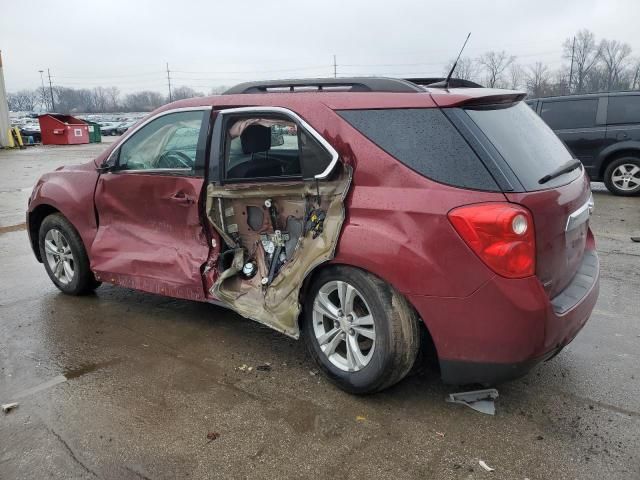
point(59, 129)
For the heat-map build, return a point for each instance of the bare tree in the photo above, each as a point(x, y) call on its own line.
point(516, 76)
point(181, 93)
point(538, 80)
point(113, 98)
point(635, 82)
point(615, 56)
point(144, 101)
point(23, 100)
point(495, 64)
point(99, 99)
point(585, 56)
point(466, 69)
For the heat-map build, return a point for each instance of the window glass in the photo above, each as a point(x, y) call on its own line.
point(425, 141)
point(170, 142)
point(624, 109)
point(570, 113)
point(529, 146)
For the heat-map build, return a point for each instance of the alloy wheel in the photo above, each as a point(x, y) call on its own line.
point(343, 326)
point(59, 256)
point(626, 177)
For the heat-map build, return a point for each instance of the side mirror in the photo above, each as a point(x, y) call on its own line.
point(110, 164)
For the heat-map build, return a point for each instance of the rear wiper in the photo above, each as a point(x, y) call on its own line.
point(566, 168)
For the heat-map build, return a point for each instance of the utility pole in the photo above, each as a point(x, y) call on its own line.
point(43, 97)
point(53, 104)
point(573, 48)
point(335, 68)
point(169, 82)
point(4, 111)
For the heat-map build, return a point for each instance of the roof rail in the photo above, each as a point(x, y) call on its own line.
point(453, 82)
point(351, 84)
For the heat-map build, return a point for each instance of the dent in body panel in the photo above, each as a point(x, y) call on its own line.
point(271, 295)
point(150, 235)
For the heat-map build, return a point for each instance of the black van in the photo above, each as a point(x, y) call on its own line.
point(603, 131)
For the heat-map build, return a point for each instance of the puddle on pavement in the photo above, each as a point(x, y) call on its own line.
point(67, 374)
point(75, 372)
point(13, 228)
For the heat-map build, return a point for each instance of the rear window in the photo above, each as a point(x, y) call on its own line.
point(624, 109)
point(570, 113)
point(526, 143)
point(424, 140)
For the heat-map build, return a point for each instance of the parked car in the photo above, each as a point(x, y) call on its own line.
point(603, 131)
point(399, 218)
point(109, 128)
point(123, 127)
point(31, 130)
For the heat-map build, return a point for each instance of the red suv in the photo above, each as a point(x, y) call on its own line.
point(369, 215)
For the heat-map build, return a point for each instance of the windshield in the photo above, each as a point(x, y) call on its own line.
point(527, 144)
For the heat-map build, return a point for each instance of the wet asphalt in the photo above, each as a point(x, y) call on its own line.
point(123, 384)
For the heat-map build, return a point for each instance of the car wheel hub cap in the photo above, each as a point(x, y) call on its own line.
point(59, 257)
point(343, 326)
point(626, 176)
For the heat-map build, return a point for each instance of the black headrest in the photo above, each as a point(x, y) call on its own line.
point(255, 138)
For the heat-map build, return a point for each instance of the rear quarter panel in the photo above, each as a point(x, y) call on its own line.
point(396, 225)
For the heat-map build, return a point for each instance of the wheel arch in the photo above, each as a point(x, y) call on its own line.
point(428, 349)
point(632, 150)
point(36, 217)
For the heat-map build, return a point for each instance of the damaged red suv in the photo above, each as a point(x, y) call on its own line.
point(368, 215)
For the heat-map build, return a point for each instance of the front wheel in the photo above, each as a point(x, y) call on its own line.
point(622, 176)
point(361, 332)
point(64, 256)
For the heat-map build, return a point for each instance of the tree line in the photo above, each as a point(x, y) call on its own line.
point(589, 65)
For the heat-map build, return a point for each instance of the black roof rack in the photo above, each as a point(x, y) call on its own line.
point(453, 82)
point(352, 84)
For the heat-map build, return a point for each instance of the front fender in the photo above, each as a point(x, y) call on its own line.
point(70, 191)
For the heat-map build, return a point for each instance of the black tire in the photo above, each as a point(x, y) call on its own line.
point(397, 335)
point(611, 170)
point(83, 281)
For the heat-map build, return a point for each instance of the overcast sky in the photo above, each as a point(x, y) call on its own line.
point(87, 43)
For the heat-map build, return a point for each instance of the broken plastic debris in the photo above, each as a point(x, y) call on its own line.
point(245, 368)
point(440, 434)
point(480, 400)
point(211, 436)
point(360, 418)
point(265, 367)
point(7, 407)
point(485, 466)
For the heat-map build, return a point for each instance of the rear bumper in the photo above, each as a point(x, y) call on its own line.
point(504, 328)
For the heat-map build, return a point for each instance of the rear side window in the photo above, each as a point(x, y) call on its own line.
point(624, 109)
point(570, 113)
point(424, 140)
point(526, 143)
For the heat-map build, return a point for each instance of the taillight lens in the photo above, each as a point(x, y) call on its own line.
point(501, 234)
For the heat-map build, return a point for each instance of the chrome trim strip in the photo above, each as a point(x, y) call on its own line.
point(156, 170)
point(298, 119)
point(580, 216)
point(147, 120)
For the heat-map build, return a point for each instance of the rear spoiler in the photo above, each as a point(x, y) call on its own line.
point(503, 99)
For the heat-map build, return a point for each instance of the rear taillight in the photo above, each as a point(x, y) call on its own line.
point(501, 234)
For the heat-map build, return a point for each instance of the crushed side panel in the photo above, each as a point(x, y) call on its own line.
point(275, 303)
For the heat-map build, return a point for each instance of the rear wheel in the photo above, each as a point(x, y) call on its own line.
point(359, 330)
point(64, 256)
point(622, 176)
